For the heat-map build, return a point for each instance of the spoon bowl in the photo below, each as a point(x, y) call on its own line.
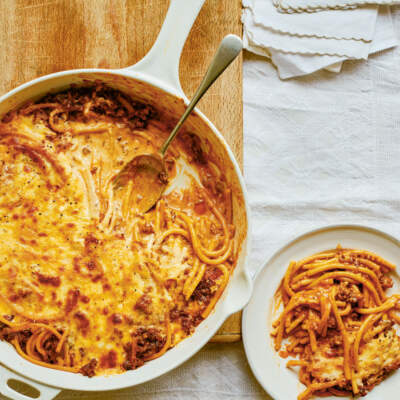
point(145, 178)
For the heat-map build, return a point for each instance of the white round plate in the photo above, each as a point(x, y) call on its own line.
point(270, 369)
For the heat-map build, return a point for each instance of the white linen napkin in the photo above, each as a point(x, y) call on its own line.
point(300, 52)
point(346, 25)
point(265, 37)
point(290, 65)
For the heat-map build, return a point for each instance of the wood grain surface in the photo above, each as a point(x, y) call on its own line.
point(38, 37)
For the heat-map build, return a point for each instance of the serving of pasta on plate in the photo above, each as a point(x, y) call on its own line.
point(336, 322)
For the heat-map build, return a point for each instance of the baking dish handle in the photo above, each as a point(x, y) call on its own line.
point(46, 392)
point(162, 61)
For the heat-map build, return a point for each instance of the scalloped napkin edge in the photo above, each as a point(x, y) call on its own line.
point(289, 10)
point(301, 6)
point(358, 24)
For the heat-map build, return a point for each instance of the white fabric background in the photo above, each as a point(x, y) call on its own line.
point(323, 149)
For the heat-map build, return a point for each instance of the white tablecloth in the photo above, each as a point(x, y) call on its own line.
point(323, 149)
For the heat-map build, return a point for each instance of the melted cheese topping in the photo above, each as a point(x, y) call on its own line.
point(74, 256)
point(377, 357)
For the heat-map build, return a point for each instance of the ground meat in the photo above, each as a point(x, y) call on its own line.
point(91, 243)
point(147, 228)
point(128, 320)
point(193, 146)
point(212, 273)
point(83, 321)
point(50, 345)
point(348, 292)
point(109, 360)
point(132, 361)
point(203, 291)
point(148, 342)
point(335, 342)
point(22, 293)
point(63, 145)
point(49, 280)
point(116, 318)
point(23, 336)
point(118, 333)
point(355, 316)
point(96, 101)
point(331, 322)
point(175, 314)
point(127, 365)
point(7, 318)
point(143, 304)
point(89, 368)
point(96, 277)
point(163, 178)
point(170, 283)
point(385, 281)
point(72, 300)
point(187, 321)
point(84, 299)
point(91, 265)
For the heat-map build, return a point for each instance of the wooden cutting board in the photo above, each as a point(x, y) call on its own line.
point(38, 37)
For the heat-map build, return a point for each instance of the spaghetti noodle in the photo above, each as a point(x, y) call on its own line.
point(338, 321)
point(87, 284)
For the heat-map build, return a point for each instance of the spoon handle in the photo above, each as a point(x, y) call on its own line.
point(227, 51)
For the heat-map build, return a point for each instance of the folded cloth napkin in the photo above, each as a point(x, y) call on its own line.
point(347, 23)
point(290, 65)
point(335, 33)
point(299, 44)
point(265, 37)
